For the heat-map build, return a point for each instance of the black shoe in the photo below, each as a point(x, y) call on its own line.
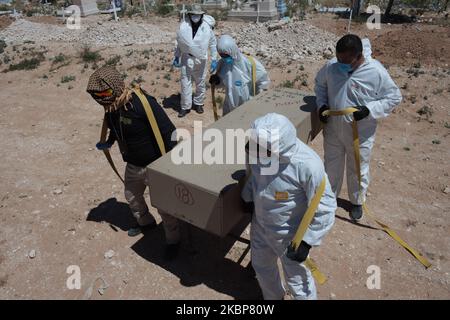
point(356, 213)
point(137, 229)
point(183, 112)
point(198, 108)
point(171, 251)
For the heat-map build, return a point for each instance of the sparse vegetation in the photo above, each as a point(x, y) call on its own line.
point(287, 84)
point(141, 66)
point(89, 56)
point(2, 46)
point(25, 64)
point(163, 7)
point(113, 61)
point(59, 58)
point(66, 79)
point(138, 80)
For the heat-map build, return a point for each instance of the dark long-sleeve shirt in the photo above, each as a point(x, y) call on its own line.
point(134, 134)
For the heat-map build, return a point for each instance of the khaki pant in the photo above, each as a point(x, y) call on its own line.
point(136, 181)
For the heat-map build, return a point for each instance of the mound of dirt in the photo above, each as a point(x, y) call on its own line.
point(428, 45)
point(5, 22)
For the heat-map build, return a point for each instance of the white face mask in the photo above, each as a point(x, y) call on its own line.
point(195, 18)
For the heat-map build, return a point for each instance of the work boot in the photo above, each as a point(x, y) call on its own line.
point(137, 229)
point(171, 251)
point(356, 212)
point(198, 108)
point(183, 112)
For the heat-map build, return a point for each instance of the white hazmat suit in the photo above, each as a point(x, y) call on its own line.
point(369, 85)
point(193, 52)
point(276, 219)
point(236, 78)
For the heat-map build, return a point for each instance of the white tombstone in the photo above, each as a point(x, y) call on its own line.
point(87, 7)
point(214, 4)
point(262, 10)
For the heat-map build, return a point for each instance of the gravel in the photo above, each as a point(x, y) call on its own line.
point(108, 33)
point(296, 40)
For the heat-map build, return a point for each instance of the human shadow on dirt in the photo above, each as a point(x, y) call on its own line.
point(172, 102)
point(202, 256)
point(202, 260)
point(116, 214)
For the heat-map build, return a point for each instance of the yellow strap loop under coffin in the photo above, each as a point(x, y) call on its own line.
point(357, 156)
point(306, 221)
point(153, 125)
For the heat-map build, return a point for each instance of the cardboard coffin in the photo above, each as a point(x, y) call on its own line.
point(208, 195)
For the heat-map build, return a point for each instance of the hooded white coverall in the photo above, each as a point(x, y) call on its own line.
point(193, 53)
point(276, 220)
point(369, 85)
point(237, 78)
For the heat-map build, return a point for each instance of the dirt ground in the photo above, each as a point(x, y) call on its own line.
point(61, 203)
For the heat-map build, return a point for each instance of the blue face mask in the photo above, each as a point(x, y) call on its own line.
point(345, 67)
point(228, 60)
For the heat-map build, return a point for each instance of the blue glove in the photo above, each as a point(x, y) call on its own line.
point(176, 62)
point(103, 145)
point(214, 65)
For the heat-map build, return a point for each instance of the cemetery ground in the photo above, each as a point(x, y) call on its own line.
point(61, 205)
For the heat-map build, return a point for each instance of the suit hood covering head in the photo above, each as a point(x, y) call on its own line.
point(276, 133)
point(209, 20)
point(227, 45)
point(104, 78)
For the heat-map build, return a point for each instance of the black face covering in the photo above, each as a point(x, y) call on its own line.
point(194, 25)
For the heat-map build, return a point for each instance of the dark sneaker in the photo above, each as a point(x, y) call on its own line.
point(134, 231)
point(183, 112)
point(137, 229)
point(171, 251)
point(356, 213)
point(198, 108)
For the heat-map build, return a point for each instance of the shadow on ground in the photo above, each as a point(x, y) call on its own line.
point(201, 259)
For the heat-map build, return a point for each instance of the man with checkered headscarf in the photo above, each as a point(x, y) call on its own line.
point(128, 124)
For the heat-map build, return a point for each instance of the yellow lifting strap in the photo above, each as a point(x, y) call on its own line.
point(306, 221)
point(106, 151)
point(357, 156)
point(213, 97)
point(151, 120)
point(252, 60)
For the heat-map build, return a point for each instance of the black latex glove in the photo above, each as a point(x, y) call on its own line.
point(323, 119)
point(248, 207)
point(214, 79)
point(362, 113)
point(300, 254)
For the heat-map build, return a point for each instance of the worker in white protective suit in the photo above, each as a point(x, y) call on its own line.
point(353, 79)
point(280, 202)
point(234, 74)
point(194, 37)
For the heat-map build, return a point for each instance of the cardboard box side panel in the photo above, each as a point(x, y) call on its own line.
point(184, 201)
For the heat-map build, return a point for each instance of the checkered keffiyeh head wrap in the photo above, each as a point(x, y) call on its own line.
point(104, 78)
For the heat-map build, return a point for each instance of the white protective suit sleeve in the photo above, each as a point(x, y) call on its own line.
point(321, 88)
point(390, 93)
point(213, 45)
point(310, 179)
point(262, 77)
